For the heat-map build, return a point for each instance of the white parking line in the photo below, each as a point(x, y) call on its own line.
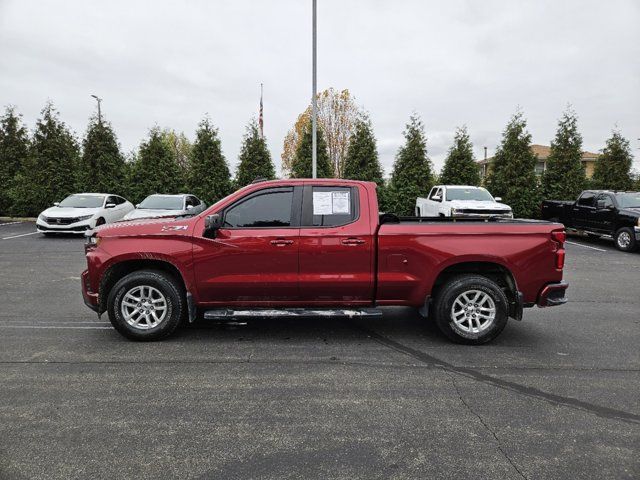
point(23, 235)
point(56, 327)
point(587, 246)
point(10, 223)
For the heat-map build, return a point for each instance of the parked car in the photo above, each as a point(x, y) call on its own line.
point(320, 247)
point(166, 206)
point(461, 201)
point(598, 213)
point(81, 212)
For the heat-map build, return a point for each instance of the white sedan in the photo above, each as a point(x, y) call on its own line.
point(81, 212)
point(167, 206)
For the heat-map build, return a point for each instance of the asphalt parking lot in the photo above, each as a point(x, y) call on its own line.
point(555, 396)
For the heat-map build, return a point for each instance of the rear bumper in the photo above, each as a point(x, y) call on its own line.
point(90, 298)
point(553, 295)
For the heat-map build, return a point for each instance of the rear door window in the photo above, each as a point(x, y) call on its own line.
point(330, 206)
point(587, 199)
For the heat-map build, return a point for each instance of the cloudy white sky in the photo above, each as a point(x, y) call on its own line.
point(453, 62)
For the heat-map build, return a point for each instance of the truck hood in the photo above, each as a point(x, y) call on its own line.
point(145, 227)
point(151, 213)
point(635, 211)
point(479, 205)
point(69, 212)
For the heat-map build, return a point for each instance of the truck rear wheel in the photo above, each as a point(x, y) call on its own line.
point(471, 309)
point(625, 240)
point(146, 305)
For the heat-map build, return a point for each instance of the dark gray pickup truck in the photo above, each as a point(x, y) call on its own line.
point(598, 213)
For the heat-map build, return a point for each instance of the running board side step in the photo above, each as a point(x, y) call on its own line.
point(223, 313)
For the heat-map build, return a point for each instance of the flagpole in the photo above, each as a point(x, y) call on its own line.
point(314, 107)
point(261, 118)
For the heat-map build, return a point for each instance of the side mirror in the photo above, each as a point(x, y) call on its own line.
point(437, 198)
point(189, 207)
point(212, 222)
point(110, 205)
point(137, 205)
point(55, 204)
point(498, 199)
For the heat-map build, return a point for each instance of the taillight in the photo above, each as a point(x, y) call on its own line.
point(559, 237)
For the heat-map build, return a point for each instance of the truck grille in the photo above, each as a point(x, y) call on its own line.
point(474, 211)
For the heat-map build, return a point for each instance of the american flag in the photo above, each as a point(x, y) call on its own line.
point(260, 119)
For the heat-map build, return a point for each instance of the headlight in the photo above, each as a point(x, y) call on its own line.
point(42, 218)
point(85, 217)
point(93, 240)
point(638, 222)
point(455, 211)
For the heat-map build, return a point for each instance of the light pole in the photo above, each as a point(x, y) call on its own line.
point(99, 112)
point(314, 106)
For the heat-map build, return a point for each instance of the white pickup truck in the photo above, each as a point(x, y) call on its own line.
point(461, 201)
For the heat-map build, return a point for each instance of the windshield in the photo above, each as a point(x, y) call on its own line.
point(161, 202)
point(628, 200)
point(82, 201)
point(469, 194)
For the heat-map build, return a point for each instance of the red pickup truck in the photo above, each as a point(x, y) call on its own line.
point(320, 247)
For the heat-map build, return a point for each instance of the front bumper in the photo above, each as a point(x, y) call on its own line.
point(553, 295)
point(90, 299)
point(78, 227)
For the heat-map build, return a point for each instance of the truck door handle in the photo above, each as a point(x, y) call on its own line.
point(352, 241)
point(281, 242)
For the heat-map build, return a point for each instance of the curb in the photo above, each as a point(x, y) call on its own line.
point(17, 219)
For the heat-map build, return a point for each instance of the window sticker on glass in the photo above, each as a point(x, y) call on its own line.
point(340, 202)
point(322, 204)
point(331, 203)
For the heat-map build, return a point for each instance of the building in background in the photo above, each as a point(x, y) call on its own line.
point(542, 152)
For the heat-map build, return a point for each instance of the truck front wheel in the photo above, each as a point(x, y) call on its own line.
point(146, 305)
point(471, 309)
point(625, 240)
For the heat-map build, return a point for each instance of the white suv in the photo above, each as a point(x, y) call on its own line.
point(81, 212)
point(461, 201)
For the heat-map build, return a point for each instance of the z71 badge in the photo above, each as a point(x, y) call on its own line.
point(173, 228)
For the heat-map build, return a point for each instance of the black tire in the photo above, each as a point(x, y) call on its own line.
point(162, 282)
point(625, 240)
point(457, 286)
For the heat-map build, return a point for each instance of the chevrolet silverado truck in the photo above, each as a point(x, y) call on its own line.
point(461, 201)
point(320, 247)
point(598, 213)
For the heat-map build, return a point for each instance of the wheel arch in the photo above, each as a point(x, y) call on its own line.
point(120, 269)
point(492, 270)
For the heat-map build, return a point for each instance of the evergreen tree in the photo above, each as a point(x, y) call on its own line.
point(255, 159)
point(301, 166)
point(613, 167)
point(412, 171)
point(209, 176)
point(155, 169)
point(50, 171)
point(565, 177)
point(362, 162)
point(14, 147)
point(460, 168)
point(512, 175)
point(102, 167)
